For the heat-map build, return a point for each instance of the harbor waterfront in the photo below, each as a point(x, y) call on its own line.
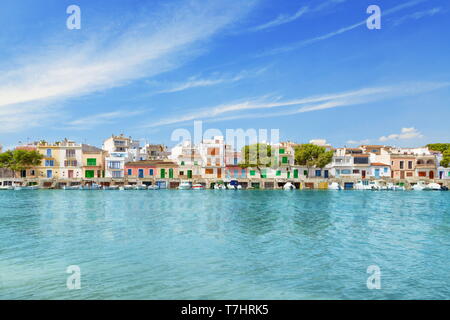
point(214, 244)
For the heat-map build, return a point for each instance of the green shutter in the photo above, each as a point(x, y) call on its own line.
point(163, 173)
point(281, 151)
point(89, 174)
point(91, 162)
point(295, 173)
point(252, 172)
point(288, 174)
point(278, 172)
point(182, 163)
point(284, 160)
point(189, 174)
point(171, 173)
point(305, 173)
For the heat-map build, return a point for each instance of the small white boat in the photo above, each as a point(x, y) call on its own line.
point(198, 186)
point(289, 186)
point(394, 187)
point(110, 187)
point(93, 186)
point(231, 187)
point(75, 187)
point(184, 186)
point(421, 186)
point(238, 187)
point(140, 187)
point(434, 186)
point(334, 186)
point(152, 187)
point(126, 187)
point(220, 187)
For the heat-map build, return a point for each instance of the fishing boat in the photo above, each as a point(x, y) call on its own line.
point(434, 186)
point(334, 186)
point(421, 186)
point(394, 187)
point(153, 187)
point(140, 187)
point(289, 186)
point(110, 187)
point(74, 187)
point(198, 186)
point(93, 186)
point(6, 185)
point(184, 186)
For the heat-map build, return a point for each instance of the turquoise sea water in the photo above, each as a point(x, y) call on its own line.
point(211, 244)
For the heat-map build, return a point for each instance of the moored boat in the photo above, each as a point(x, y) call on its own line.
point(334, 186)
point(198, 186)
point(421, 186)
point(184, 186)
point(289, 186)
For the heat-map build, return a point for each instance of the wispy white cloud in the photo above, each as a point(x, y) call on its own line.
point(418, 15)
point(406, 133)
point(109, 60)
point(303, 43)
point(281, 19)
point(101, 118)
point(291, 107)
point(215, 79)
point(358, 142)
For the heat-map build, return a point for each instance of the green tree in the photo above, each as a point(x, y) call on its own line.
point(445, 162)
point(256, 155)
point(18, 160)
point(311, 155)
point(442, 147)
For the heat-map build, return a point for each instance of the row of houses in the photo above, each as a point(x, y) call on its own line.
point(122, 157)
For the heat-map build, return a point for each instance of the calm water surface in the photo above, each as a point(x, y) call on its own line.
point(226, 244)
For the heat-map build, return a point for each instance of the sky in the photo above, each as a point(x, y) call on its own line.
point(312, 69)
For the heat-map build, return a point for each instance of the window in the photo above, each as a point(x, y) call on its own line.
point(117, 174)
point(284, 160)
point(70, 153)
point(318, 173)
point(49, 163)
point(243, 173)
point(114, 165)
point(163, 173)
point(346, 171)
point(278, 173)
point(130, 172)
point(49, 152)
point(49, 173)
point(189, 174)
point(281, 151)
point(235, 161)
point(150, 172)
point(385, 170)
point(355, 171)
point(264, 174)
point(171, 173)
point(422, 174)
point(252, 172)
point(305, 173)
point(91, 162)
point(70, 163)
point(195, 163)
point(182, 163)
point(409, 174)
point(181, 173)
point(402, 164)
point(361, 160)
point(295, 173)
point(209, 171)
point(410, 163)
point(236, 173)
point(32, 173)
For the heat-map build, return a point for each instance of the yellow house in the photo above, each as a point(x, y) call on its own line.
point(93, 162)
point(62, 160)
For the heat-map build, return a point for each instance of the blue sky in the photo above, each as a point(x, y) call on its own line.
point(145, 68)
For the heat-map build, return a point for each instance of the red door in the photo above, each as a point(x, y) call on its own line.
point(363, 174)
point(431, 174)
